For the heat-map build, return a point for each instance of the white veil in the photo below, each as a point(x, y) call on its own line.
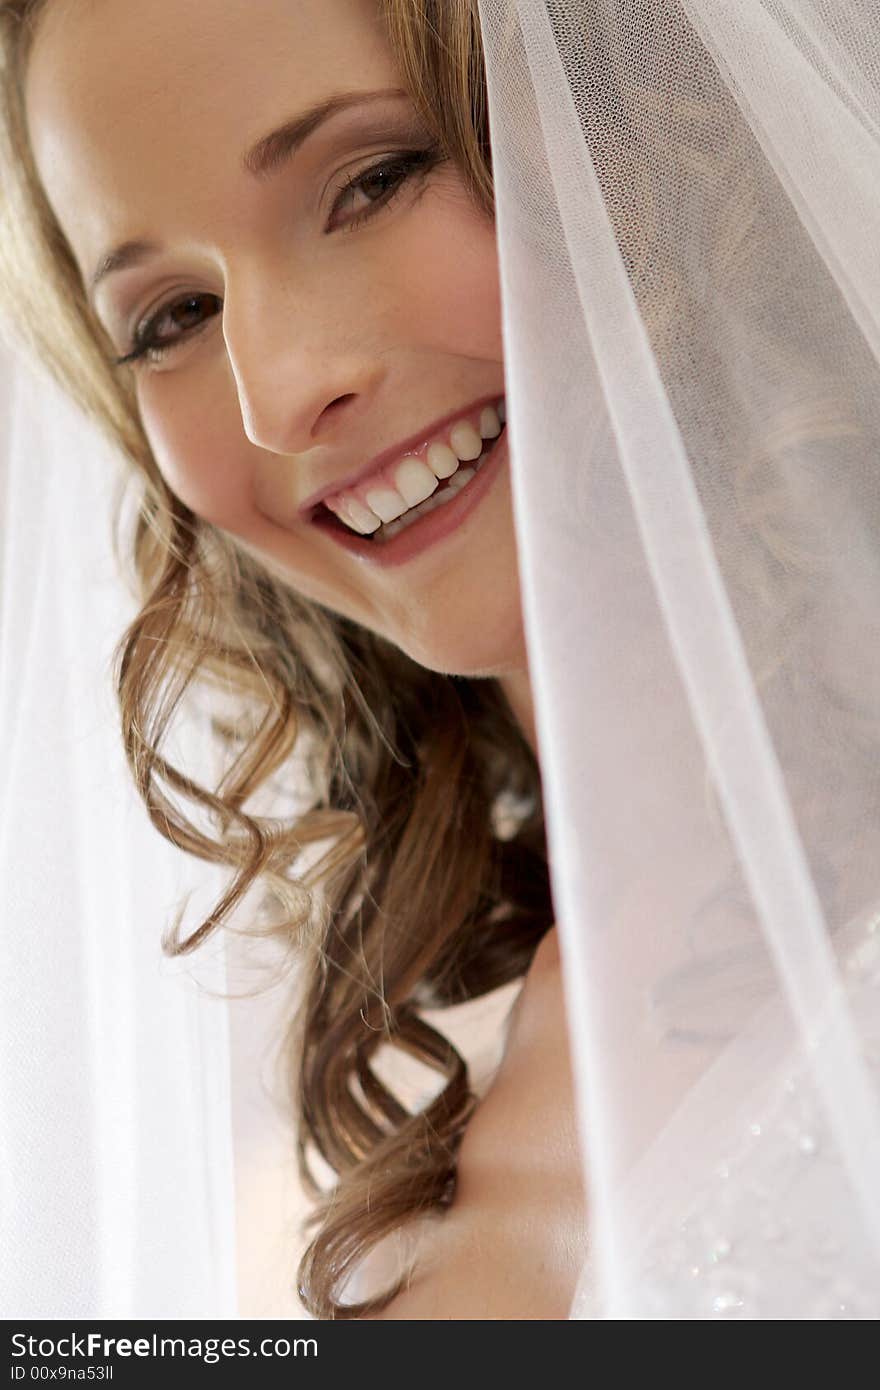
point(688, 206)
point(116, 1171)
point(146, 1166)
point(688, 211)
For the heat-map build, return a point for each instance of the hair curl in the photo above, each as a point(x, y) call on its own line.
point(423, 894)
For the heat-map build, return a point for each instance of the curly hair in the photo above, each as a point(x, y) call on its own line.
point(428, 882)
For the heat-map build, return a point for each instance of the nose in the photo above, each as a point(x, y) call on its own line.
point(300, 377)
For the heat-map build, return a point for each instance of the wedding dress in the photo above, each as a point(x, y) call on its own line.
point(768, 1229)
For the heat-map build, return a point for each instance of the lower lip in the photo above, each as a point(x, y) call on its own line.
point(431, 528)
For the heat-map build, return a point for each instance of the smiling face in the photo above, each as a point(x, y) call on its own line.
point(313, 330)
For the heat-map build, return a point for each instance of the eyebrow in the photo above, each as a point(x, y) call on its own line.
point(263, 159)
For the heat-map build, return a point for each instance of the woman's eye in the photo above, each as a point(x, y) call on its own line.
point(182, 314)
point(382, 182)
point(378, 185)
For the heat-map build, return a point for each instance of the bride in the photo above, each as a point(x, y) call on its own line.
point(499, 380)
point(327, 521)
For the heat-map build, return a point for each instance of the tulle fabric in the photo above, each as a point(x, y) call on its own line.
point(146, 1159)
point(117, 1183)
point(688, 200)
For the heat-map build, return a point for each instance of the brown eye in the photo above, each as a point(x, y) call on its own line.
point(186, 314)
point(186, 308)
point(182, 313)
point(382, 182)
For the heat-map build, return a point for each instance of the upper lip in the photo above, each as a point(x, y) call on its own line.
point(426, 435)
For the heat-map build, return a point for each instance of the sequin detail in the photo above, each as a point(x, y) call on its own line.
point(775, 1231)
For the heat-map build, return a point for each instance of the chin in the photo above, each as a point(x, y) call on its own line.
point(488, 644)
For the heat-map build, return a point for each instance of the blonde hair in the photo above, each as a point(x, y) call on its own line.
point(425, 886)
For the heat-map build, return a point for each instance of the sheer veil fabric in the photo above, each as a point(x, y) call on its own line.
point(688, 211)
point(117, 1179)
point(146, 1169)
point(688, 207)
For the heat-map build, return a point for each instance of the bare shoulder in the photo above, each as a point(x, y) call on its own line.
point(514, 1240)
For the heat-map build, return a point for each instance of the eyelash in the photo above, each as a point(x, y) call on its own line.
point(403, 164)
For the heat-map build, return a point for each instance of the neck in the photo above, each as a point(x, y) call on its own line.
point(518, 692)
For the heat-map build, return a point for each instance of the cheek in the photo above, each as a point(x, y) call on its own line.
point(200, 453)
point(448, 264)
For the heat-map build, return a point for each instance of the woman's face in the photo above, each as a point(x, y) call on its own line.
point(316, 335)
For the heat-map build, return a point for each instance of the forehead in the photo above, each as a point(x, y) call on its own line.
point(131, 101)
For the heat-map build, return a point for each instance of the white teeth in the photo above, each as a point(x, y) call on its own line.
point(417, 481)
point(414, 481)
point(462, 477)
point(386, 503)
point(355, 515)
point(442, 460)
point(465, 441)
point(438, 499)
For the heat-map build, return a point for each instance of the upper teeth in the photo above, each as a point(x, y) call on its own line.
point(386, 497)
